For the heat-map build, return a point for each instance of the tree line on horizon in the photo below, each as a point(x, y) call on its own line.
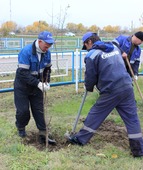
point(78, 29)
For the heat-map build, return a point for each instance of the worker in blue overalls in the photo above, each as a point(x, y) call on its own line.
point(106, 70)
point(130, 45)
point(31, 81)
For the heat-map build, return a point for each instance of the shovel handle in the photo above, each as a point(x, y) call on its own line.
point(79, 112)
point(133, 76)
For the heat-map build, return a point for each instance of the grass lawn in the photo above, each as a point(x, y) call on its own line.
point(107, 150)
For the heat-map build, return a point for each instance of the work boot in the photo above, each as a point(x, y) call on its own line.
point(22, 133)
point(136, 147)
point(74, 140)
point(42, 140)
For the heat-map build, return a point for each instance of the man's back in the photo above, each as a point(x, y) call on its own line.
point(109, 72)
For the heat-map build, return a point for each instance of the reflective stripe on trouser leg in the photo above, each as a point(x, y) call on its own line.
point(122, 101)
point(97, 114)
point(128, 113)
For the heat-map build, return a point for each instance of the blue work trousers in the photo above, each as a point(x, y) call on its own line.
point(124, 102)
point(25, 99)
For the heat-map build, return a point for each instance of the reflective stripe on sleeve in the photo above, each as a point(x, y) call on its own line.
point(23, 66)
point(138, 59)
point(133, 61)
point(133, 136)
point(41, 70)
point(94, 54)
point(49, 65)
point(88, 129)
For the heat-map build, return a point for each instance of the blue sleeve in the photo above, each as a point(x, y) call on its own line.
point(23, 58)
point(47, 69)
point(120, 40)
point(25, 76)
point(135, 67)
point(23, 71)
point(90, 74)
point(136, 58)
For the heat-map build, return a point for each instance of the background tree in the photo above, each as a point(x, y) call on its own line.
point(76, 28)
point(108, 28)
point(112, 29)
point(60, 29)
point(81, 28)
point(37, 27)
point(7, 27)
point(94, 28)
point(71, 27)
point(116, 29)
point(62, 18)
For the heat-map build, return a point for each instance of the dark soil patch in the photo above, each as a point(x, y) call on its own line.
point(111, 133)
point(108, 132)
point(32, 139)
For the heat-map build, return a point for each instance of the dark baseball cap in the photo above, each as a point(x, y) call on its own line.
point(88, 35)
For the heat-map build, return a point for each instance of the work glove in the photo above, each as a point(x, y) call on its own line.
point(87, 89)
point(43, 86)
point(135, 77)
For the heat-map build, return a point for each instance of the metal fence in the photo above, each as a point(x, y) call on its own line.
point(67, 68)
point(14, 45)
point(64, 69)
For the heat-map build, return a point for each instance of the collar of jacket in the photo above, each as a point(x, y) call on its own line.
point(129, 38)
point(34, 48)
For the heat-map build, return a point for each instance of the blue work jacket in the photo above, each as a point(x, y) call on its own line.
point(125, 44)
point(30, 70)
point(105, 68)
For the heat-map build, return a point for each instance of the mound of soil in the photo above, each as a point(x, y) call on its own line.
point(111, 133)
point(107, 132)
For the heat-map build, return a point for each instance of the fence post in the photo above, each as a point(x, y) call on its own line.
point(77, 67)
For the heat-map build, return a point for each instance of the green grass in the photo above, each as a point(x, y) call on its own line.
point(61, 110)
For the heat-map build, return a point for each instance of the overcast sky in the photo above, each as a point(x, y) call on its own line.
point(88, 12)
